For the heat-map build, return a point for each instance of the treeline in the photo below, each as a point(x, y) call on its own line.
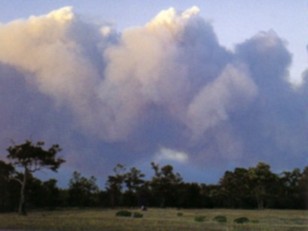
point(250, 188)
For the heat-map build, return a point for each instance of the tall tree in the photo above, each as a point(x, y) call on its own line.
point(29, 158)
point(164, 184)
point(115, 184)
point(43, 194)
point(303, 187)
point(134, 183)
point(289, 193)
point(83, 191)
point(6, 170)
point(189, 195)
point(134, 179)
point(264, 182)
point(236, 188)
point(52, 194)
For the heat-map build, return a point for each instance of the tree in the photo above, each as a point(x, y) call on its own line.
point(289, 191)
point(164, 184)
point(133, 179)
point(134, 183)
point(83, 191)
point(42, 194)
point(51, 192)
point(303, 187)
point(29, 158)
point(236, 188)
point(115, 183)
point(189, 195)
point(6, 170)
point(264, 182)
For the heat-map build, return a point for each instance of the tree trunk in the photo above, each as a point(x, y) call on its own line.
point(260, 202)
point(22, 201)
point(112, 199)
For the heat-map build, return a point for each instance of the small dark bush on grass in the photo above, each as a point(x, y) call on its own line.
point(241, 220)
point(123, 213)
point(137, 215)
point(179, 214)
point(220, 219)
point(200, 218)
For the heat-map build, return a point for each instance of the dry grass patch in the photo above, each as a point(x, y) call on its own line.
point(156, 220)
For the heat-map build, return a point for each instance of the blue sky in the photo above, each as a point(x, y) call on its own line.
point(204, 88)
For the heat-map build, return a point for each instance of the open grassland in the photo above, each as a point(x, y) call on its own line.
point(156, 220)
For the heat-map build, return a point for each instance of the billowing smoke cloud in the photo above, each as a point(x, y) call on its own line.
point(108, 96)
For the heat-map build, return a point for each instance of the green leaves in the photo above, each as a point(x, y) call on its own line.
point(33, 157)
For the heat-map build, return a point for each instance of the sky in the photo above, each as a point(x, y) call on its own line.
point(206, 86)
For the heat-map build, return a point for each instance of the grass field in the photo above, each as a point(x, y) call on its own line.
point(156, 220)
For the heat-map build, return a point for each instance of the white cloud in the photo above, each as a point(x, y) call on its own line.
point(166, 154)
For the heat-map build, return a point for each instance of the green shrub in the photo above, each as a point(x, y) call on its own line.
point(200, 218)
point(241, 220)
point(123, 213)
point(220, 219)
point(137, 215)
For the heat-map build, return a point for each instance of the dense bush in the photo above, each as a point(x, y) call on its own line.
point(241, 220)
point(123, 213)
point(126, 213)
point(220, 219)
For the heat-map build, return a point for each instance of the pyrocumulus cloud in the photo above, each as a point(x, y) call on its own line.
point(108, 96)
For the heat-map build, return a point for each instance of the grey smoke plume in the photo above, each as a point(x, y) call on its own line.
point(168, 85)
